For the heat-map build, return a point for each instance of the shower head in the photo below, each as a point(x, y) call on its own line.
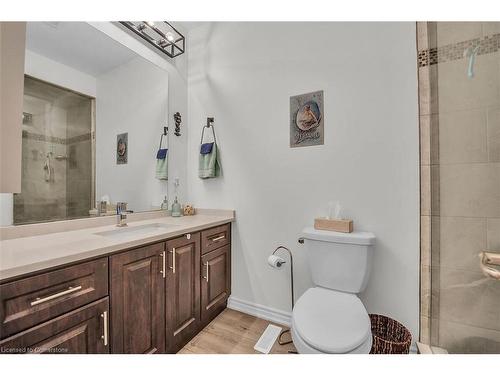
point(27, 118)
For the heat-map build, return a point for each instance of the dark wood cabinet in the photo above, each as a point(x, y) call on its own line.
point(216, 282)
point(82, 331)
point(137, 294)
point(183, 290)
point(151, 299)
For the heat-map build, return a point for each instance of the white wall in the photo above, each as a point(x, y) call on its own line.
point(12, 43)
point(131, 99)
point(243, 74)
point(6, 209)
point(177, 96)
point(48, 70)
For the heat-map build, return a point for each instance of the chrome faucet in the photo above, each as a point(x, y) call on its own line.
point(121, 212)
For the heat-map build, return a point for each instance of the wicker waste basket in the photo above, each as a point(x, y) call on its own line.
point(389, 336)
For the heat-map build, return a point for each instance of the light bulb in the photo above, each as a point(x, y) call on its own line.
point(170, 37)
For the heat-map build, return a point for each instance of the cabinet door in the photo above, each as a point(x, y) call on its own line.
point(82, 331)
point(138, 300)
point(183, 290)
point(216, 282)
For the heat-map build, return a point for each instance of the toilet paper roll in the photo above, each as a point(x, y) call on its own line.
point(275, 261)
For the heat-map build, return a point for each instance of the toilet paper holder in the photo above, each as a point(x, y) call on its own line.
point(291, 269)
point(280, 341)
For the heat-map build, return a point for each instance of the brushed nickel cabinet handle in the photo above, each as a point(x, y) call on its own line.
point(489, 258)
point(218, 238)
point(163, 267)
point(105, 332)
point(70, 290)
point(206, 277)
point(172, 267)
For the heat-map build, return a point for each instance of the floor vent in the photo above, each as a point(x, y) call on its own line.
point(268, 338)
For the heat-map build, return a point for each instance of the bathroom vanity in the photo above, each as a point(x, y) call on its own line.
point(126, 292)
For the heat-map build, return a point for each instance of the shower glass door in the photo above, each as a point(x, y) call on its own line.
point(57, 154)
point(459, 84)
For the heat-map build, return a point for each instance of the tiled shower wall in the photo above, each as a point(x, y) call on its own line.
point(59, 127)
point(460, 184)
point(79, 180)
point(43, 134)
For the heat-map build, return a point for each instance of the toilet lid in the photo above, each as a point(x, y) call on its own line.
point(331, 321)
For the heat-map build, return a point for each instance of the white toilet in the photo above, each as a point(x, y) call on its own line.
point(330, 318)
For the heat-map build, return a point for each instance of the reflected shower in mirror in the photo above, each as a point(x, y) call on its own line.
point(94, 111)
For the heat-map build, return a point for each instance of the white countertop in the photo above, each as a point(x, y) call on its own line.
point(29, 254)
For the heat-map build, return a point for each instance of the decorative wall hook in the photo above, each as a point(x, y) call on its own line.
point(210, 121)
point(178, 120)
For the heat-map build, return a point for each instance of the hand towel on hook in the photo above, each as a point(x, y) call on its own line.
point(209, 159)
point(162, 162)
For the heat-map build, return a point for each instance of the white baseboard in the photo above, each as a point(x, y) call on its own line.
point(260, 311)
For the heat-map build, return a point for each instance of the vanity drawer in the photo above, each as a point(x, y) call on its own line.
point(214, 238)
point(81, 331)
point(33, 300)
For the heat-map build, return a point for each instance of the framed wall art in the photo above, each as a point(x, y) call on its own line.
point(122, 148)
point(307, 120)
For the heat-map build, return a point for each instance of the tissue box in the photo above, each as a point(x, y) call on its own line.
point(336, 225)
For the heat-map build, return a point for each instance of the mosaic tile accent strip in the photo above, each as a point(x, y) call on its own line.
point(451, 52)
point(43, 138)
point(58, 140)
point(79, 138)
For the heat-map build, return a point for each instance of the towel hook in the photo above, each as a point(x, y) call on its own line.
point(210, 121)
point(165, 132)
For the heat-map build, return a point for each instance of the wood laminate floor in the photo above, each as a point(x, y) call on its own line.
point(232, 332)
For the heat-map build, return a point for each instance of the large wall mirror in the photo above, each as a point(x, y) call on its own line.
point(93, 115)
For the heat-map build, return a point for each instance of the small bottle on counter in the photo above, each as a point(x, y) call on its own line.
point(176, 208)
point(103, 208)
point(164, 204)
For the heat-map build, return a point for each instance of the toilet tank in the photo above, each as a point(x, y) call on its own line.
point(339, 261)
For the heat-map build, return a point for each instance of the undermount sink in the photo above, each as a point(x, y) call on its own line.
point(136, 230)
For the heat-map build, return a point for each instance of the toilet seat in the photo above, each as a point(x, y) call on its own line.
point(329, 321)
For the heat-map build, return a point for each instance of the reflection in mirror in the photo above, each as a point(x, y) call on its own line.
point(94, 112)
point(57, 174)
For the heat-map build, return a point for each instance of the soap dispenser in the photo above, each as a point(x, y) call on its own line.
point(176, 208)
point(164, 204)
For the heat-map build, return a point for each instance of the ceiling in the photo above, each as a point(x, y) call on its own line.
point(78, 45)
point(188, 26)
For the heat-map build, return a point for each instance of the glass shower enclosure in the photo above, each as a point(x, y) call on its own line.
point(58, 149)
point(459, 92)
